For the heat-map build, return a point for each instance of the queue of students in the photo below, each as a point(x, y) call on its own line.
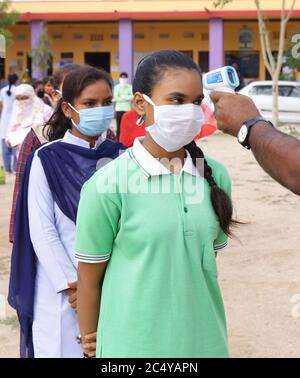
point(92, 261)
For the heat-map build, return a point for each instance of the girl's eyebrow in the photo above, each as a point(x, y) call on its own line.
point(89, 99)
point(182, 95)
point(177, 94)
point(95, 99)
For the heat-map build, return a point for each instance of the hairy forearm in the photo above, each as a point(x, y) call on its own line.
point(278, 154)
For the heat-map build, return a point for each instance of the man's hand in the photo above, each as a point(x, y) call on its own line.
point(232, 111)
point(72, 293)
point(89, 344)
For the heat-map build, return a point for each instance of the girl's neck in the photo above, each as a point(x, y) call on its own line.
point(160, 153)
point(78, 134)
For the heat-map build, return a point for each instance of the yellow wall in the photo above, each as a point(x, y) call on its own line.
point(151, 42)
point(68, 43)
point(21, 43)
point(176, 41)
point(45, 6)
point(78, 47)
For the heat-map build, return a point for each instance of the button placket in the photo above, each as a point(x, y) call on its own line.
point(188, 231)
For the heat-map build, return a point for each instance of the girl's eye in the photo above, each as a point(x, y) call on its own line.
point(108, 103)
point(177, 101)
point(198, 102)
point(89, 104)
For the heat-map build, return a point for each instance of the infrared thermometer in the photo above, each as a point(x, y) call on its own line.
point(224, 79)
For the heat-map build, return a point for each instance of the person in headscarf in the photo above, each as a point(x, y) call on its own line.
point(43, 287)
point(28, 111)
point(34, 139)
point(7, 97)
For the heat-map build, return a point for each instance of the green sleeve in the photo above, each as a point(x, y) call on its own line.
point(128, 95)
point(223, 180)
point(97, 223)
point(117, 96)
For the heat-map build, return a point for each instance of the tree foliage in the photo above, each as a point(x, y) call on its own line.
point(221, 3)
point(8, 18)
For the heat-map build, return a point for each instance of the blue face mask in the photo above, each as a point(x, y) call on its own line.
point(94, 121)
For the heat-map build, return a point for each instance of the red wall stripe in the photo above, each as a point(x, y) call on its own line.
point(148, 15)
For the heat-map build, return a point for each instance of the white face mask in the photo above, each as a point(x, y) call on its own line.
point(123, 80)
point(175, 126)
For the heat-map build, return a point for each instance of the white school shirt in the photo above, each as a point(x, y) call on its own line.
point(7, 102)
point(55, 325)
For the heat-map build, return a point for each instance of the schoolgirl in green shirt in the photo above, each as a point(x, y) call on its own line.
point(149, 225)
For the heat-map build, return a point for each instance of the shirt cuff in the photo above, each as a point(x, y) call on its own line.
point(219, 247)
point(91, 259)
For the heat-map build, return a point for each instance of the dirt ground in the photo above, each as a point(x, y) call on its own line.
point(259, 273)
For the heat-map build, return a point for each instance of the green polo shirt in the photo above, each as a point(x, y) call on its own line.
point(160, 295)
point(123, 97)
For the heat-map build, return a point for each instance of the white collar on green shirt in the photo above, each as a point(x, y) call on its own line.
point(151, 166)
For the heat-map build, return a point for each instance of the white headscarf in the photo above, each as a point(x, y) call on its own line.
point(25, 90)
point(26, 113)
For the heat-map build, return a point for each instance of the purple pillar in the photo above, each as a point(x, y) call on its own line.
point(37, 29)
point(216, 43)
point(126, 47)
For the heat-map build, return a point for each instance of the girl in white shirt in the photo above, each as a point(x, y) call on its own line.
point(7, 97)
point(47, 295)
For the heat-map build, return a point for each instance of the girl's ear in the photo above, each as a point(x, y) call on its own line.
point(139, 104)
point(66, 110)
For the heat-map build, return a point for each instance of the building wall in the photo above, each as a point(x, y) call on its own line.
point(78, 39)
point(189, 36)
point(21, 45)
point(80, 6)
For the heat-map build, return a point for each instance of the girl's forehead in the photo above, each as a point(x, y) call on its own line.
point(179, 80)
point(98, 89)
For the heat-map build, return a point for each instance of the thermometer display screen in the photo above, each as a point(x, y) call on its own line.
point(231, 77)
point(215, 78)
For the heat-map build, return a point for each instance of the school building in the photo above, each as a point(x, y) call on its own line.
point(117, 34)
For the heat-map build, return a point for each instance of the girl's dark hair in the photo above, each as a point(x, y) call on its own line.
point(150, 71)
point(12, 79)
point(74, 83)
point(60, 74)
point(220, 200)
point(153, 67)
point(48, 79)
point(35, 83)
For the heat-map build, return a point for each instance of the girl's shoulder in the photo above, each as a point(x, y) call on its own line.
point(110, 168)
point(106, 180)
point(219, 172)
point(44, 146)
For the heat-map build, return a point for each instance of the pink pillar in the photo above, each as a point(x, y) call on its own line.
point(216, 43)
point(126, 48)
point(37, 29)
